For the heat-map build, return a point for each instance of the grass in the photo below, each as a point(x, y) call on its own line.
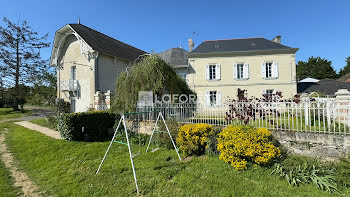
point(63, 168)
point(6, 182)
point(8, 113)
point(44, 123)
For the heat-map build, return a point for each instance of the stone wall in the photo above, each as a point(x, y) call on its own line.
point(314, 144)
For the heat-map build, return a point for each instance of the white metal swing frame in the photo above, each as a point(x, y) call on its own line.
point(122, 120)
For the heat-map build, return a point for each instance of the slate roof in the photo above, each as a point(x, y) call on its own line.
point(238, 45)
point(326, 86)
point(175, 56)
point(105, 44)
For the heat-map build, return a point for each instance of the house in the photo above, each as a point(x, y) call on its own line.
point(88, 62)
point(326, 87)
point(178, 58)
point(258, 65)
point(345, 78)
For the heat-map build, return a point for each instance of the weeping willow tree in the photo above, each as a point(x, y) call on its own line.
point(150, 74)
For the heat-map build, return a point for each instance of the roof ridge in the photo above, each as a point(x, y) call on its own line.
point(106, 36)
point(233, 39)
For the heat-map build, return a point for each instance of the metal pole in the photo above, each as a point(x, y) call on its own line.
point(115, 133)
point(171, 138)
point(155, 125)
point(132, 163)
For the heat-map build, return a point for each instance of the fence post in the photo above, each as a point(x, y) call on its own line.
point(343, 102)
point(306, 112)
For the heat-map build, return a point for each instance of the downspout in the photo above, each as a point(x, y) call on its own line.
point(97, 87)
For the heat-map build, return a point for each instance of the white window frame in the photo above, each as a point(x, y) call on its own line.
point(73, 73)
point(269, 70)
point(213, 72)
point(241, 71)
point(213, 98)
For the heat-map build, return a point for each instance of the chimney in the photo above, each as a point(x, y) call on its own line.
point(190, 44)
point(277, 39)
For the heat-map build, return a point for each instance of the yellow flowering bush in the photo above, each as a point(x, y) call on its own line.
point(241, 144)
point(192, 138)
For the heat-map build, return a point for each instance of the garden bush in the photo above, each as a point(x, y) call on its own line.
point(95, 125)
point(342, 169)
point(242, 144)
point(192, 138)
point(324, 179)
point(164, 139)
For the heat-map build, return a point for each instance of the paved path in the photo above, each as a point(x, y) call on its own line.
point(21, 179)
point(37, 112)
point(44, 130)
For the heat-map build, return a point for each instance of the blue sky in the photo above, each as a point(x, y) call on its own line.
point(316, 27)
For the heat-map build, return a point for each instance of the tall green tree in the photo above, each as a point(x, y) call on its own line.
point(317, 68)
point(346, 69)
point(150, 74)
point(20, 58)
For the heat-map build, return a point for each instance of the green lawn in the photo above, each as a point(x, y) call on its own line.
point(6, 182)
point(44, 123)
point(7, 113)
point(63, 168)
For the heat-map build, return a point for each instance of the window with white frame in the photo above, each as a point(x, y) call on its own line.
point(213, 72)
point(268, 70)
point(268, 93)
point(241, 71)
point(73, 74)
point(213, 98)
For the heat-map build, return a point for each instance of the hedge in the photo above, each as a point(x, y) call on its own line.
point(96, 125)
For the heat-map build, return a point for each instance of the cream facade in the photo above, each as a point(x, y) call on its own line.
point(216, 77)
point(84, 74)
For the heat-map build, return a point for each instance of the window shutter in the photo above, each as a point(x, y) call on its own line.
point(218, 71)
point(263, 70)
point(263, 92)
point(246, 71)
point(235, 74)
point(207, 72)
point(207, 96)
point(275, 69)
point(218, 98)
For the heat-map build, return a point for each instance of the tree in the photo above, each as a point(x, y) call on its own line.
point(20, 58)
point(150, 74)
point(317, 68)
point(44, 91)
point(346, 69)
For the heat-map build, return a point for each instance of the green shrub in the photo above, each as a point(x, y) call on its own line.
point(212, 143)
point(193, 138)
point(343, 171)
point(95, 125)
point(307, 174)
point(164, 139)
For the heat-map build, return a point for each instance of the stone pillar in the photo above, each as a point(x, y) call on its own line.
point(98, 100)
point(108, 96)
point(343, 106)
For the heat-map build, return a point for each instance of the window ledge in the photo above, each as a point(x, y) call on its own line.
point(242, 79)
point(213, 79)
point(271, 78)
